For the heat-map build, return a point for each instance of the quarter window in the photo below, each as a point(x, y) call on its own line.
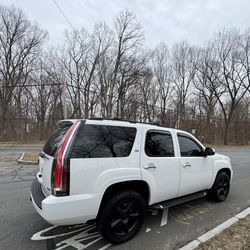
point(99, 141)
point(159, 144)
point(55, 141)
point(188, 147)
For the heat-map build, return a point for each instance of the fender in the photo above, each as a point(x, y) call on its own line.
point(113, 176)
point(218, 165)
point(150, 180)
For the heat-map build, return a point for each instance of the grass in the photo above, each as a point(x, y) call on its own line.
point(236, 237)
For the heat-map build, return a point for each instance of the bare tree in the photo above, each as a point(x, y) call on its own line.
point(128, 39)
point(162, 76)
point(183, 70)
point(228, 74)
point(20, 46)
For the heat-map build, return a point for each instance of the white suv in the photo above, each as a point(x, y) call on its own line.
point(110, 170)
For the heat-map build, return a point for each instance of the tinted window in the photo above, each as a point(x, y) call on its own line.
point(189, 147)
point(96, 141)
point(159, 145)
point(55, 140)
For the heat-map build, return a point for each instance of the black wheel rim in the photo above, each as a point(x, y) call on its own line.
point(223, 187)
point(125, 218)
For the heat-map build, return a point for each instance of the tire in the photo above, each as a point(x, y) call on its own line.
point(121, 216)
point(220, 188)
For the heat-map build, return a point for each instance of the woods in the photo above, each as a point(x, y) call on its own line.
point(109, 72)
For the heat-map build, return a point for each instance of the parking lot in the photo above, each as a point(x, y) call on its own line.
point(22, 228)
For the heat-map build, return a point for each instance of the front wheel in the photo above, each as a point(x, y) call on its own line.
point(220, 188)
point(121, 216)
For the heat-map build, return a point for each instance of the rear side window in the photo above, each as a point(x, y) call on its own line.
point(99, 141)
point(159, 144)
point(55, 140)
point(188, 147)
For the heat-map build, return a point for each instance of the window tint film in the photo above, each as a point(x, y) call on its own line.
point(55, 140)
point(159, 144)
point(98, 141)
point(188, 147)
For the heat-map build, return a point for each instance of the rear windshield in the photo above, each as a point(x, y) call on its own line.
point(55, 140)
point(100, 141)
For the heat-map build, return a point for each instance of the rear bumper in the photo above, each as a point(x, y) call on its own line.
point(66, 210)
point(37, 193)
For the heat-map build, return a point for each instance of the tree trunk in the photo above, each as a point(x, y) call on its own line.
point(226, 133)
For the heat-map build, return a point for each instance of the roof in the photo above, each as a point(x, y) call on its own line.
point(126, 123)
point(117, 121)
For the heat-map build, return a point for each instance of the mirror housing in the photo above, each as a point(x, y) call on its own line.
point(209, 151)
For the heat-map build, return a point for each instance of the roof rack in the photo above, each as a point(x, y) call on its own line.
point(130, 121)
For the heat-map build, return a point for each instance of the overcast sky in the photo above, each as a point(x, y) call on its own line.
point(162, 20)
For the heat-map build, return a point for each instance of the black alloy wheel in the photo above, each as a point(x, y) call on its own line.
point(125, 217)
point(220, 188)
point(223, 187)
point(122, 216)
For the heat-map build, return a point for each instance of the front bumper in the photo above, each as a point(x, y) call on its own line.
point(65, 210)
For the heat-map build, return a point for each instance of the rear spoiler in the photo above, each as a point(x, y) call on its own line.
point(66, 122)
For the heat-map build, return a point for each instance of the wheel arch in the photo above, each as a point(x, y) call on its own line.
point(221, 165)
point(139, 186)
point(226, 170)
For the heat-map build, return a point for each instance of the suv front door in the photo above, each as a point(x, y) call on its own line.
point(196, 170)
point(159, 165)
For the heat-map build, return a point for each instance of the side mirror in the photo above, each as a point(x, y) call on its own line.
point(209, 151)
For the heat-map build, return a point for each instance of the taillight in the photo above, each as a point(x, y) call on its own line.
point(60, 173)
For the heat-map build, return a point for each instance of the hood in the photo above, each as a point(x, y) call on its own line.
point(220, 156)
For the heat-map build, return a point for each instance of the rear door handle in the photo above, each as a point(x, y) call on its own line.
point(186, 165)
point(150, 165)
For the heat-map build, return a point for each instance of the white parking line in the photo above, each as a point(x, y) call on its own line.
point(164, 218)
point(105, 247)
point(210, 234)
point(21, 158)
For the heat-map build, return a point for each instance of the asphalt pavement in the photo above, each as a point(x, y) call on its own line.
point(22, 228)
point(19, 148)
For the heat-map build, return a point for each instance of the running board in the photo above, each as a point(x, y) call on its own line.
point(179, 200)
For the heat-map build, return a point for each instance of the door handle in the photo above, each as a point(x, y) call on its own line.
point(186, 165)
point(150, 165)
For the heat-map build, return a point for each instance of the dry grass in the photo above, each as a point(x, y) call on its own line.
point(30, 156)
point(237, 237)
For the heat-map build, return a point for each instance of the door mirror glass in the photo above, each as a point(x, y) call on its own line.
point(209, 151)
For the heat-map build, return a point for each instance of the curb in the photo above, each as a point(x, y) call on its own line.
point(215, 231)
point(21, 161)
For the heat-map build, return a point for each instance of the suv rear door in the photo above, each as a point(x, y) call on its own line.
point(102, 153)
point(159, 165)
point(47, 155)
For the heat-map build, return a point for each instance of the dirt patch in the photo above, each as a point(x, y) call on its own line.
point(30, 156)
point(235, 237)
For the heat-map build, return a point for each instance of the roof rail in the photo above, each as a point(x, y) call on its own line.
point(119, 119)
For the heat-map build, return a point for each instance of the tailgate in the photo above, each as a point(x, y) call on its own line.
point(44, 174)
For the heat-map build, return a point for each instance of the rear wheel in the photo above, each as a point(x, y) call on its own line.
point(220, 188)
point(121, 216)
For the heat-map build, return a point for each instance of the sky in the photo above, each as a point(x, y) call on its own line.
point(167, 21)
